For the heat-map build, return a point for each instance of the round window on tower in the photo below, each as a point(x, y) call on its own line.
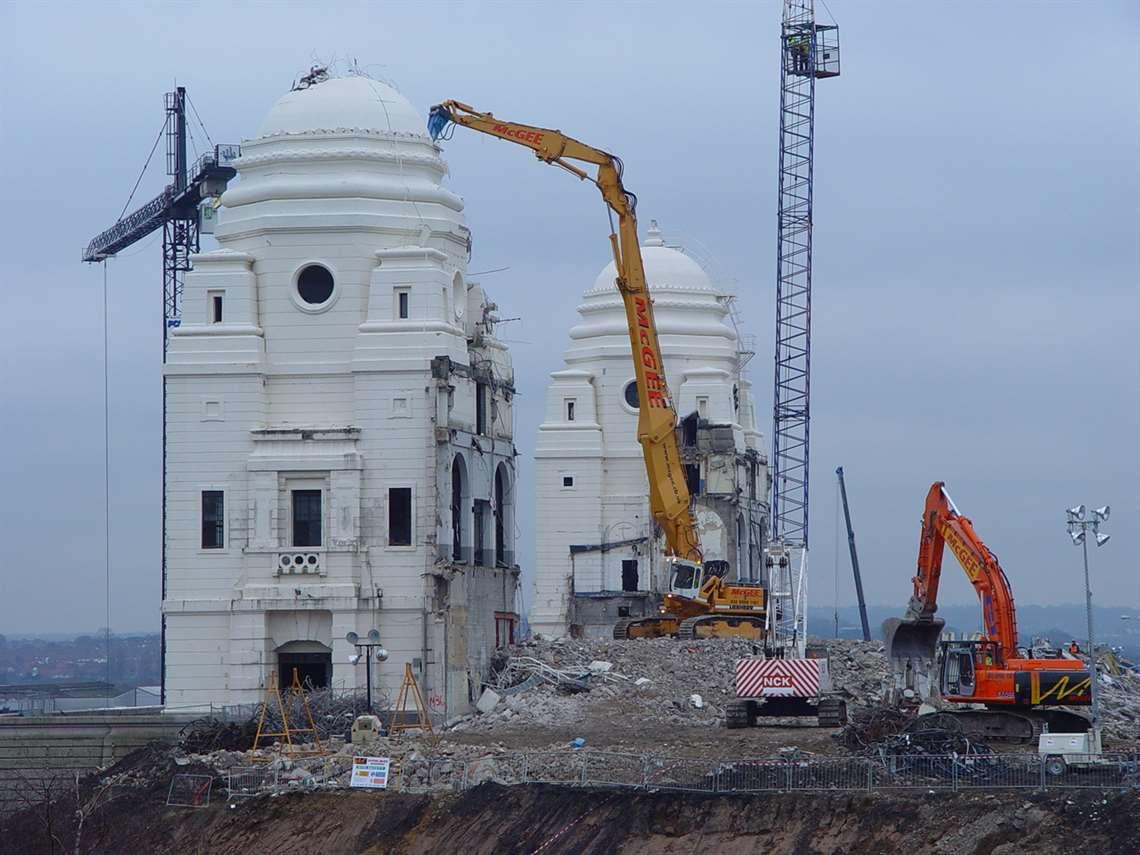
point(315, 287)
point(630, 395)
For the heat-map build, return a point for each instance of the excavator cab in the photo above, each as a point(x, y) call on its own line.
point(961, 661)
point(686, 578)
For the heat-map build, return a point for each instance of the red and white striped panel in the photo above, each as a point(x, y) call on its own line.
point(778, 678)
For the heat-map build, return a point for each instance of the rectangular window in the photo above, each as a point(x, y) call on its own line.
point(399, 516)
point(570, 409)
point(504, 629)
point(306, 517)
point(703, 406)
point(567, 480)
point(213, 519)
point(629, 574)
point(215, 307)
point(481, 409)
point(403, 295)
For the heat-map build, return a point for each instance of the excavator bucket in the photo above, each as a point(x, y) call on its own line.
point(912, 639)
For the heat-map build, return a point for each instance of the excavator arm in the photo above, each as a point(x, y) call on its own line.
point(657, 418)
point(943, 526)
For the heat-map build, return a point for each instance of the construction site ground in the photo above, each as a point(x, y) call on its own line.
point(668, 696)
point(554, 820)
point(663, 698)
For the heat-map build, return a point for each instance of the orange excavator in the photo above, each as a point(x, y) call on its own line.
point(991, 670)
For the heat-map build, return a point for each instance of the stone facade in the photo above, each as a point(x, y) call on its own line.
point(339, 420)
point(599, 554)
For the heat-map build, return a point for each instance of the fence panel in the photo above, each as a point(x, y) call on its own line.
point(682, 773)
point(615, 770)
point(556, 768)
point(751, 776)
point(846, 773)
point(998, 771)
point(244, 783)
point(190, 790)
point(1108, 771)
point(924, 771)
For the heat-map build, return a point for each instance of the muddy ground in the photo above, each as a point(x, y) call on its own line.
point(495, 820)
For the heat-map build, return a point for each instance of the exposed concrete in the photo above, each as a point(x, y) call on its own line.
point(35, 750)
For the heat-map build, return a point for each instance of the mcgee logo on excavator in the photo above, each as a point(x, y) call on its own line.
point(656, 388)
point(518, 134)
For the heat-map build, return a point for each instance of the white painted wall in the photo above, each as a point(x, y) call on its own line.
point(600, 446)
point(338, 397)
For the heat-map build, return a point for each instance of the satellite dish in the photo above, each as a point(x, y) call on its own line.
point(351, 637)
point(373, 635)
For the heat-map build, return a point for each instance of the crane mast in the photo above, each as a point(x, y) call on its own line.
point(809, 51)
point(176, 211)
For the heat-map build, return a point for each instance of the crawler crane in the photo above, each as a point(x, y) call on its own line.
point(991, 670)
point(700, 603)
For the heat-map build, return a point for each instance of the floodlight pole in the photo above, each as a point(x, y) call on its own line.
point(1079, 528)
point(1092, 647)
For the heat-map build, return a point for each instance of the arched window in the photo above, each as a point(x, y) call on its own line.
point(500, 517)
point(459, 498)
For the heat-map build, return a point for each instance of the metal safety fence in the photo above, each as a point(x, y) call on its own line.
point(587, 768)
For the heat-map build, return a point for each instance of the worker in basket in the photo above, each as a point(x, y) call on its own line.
point(801, 50)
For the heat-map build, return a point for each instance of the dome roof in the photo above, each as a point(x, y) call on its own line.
point(344, 104)
point(665, 267)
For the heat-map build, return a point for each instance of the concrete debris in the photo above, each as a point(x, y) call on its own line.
point(697, 701)
point(488, 701)
point(600, 667)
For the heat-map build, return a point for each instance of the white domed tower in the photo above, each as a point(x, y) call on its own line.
point(340, 455)
point(598, 556)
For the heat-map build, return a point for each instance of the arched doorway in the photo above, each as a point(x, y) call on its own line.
point(312, 661)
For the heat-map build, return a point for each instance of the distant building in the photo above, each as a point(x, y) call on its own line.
point(597, 546)
point(340, 450)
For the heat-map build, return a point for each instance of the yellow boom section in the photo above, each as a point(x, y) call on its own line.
point(668, 490)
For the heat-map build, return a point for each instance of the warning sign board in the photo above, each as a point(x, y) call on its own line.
point(370, 772)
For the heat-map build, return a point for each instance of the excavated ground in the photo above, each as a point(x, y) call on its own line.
point(496, 820)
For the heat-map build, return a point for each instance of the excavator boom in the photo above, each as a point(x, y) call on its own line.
point(917, 633)
point(657, 418)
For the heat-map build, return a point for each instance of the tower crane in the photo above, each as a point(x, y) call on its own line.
point(809, 52)
point(177, 210)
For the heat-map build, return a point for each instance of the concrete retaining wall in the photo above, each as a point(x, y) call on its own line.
point(36, 750)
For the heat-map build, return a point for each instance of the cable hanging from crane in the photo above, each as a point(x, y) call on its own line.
point(201, 124)
point(146, 165)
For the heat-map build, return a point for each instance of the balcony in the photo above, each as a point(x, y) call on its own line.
point(300, 562)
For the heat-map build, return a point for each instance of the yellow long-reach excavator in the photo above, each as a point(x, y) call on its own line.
point(700, 602)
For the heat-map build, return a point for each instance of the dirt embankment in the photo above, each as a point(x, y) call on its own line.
point(497, 820)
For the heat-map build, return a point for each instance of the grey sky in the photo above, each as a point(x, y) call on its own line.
point(977, 249)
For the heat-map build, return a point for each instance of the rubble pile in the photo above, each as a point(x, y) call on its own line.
point(858, 669)
point(564, 681)
point(1119, 696)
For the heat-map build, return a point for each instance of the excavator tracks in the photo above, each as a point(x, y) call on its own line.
point(656, 626)
point(722, 626)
